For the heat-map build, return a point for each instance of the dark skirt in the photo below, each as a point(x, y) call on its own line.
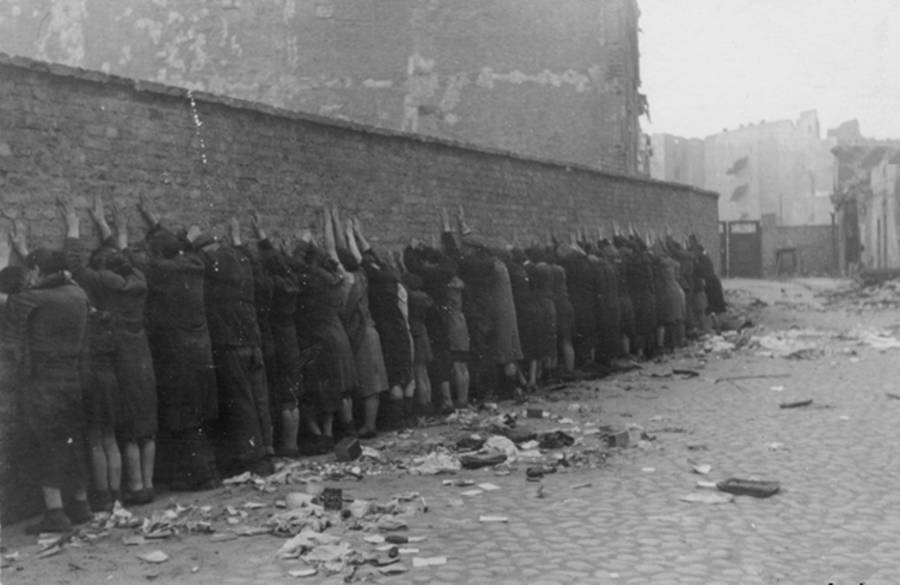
point(626, 308)
point(185, 378)
point(644, 303)
point(715, 296)
point(104, 407)
point(395, 344)
point(334, 368)
point(244, 427)
point(565, 318)
point(137, 384)
point(53, 407)
point(422, 353)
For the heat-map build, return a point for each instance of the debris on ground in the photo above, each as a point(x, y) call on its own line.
point(155, 556)
point(749, 487)
point(436, 463)
point(796, 404)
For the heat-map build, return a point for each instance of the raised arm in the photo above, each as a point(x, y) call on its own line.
point(18, 238)
point(462, 226)
point(234, 227)
point(328, 231)
point(147, 212)
point(256, 224)
point(351, 241)
point(361, 240)
point(340, 239)
point(120, 218)
point(98, 213)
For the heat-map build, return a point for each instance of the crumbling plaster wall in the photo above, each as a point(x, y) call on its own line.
point(551, 78)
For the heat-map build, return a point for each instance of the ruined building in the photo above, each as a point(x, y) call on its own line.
point(554, 79)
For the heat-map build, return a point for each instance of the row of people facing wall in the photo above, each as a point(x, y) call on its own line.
point(220, 356)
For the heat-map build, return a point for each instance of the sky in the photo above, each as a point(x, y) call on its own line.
point(707, 65)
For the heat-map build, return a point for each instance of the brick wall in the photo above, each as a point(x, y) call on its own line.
point(68, 131)
point(814, 244)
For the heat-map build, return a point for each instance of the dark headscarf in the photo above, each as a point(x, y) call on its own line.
point(47, 261)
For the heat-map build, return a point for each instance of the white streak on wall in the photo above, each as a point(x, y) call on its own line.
point(580, 81)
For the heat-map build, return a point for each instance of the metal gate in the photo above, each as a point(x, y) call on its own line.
point(741, 248)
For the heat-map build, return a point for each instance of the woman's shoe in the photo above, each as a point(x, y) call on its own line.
point(79, 512)
point(54, 520)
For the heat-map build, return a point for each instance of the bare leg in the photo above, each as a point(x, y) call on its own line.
point(312, 425)
point(148, 461)
point(532, 373)
point(328, 425)
point(446, 396)
point(52, 498)
point(461, 383)
point(114, 461)
point(134, 467)
point(345, 413)
point(370, 405)
point(290, 424)
point(423, 385)
point(99, 464)
point(569, 355)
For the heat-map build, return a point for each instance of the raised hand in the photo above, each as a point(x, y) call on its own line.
point(144, 207)
point(235, 231)
point(257, 225)
point(18, 238)
point(97, 211)
point(194, 232)
point(5, 248)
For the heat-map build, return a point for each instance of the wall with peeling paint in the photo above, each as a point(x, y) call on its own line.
point(551, 78)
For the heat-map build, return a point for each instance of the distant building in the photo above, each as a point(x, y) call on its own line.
point(778, 173)
point(781, 168)
point(866, 193)
point(553, 79)
point(679, 160)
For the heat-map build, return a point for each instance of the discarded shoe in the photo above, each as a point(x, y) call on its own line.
point(555, 440)
point(478, 460)
point(263, 467)
point(79, 512)
point(101, 501)
point(536, 473)
point(749, 487)
point(137, 497)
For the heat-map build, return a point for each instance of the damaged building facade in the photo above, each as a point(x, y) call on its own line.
point(776, 175)
point(553, 79)
point(866, 193)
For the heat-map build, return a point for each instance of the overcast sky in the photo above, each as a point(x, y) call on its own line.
point(714, 64)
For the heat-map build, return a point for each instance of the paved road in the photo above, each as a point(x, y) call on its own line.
point(837, 519)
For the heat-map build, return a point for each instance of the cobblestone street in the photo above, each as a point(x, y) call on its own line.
point(836, 519)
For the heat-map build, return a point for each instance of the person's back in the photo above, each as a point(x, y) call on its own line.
point(175, 298)
point(230, 308)
point(57, 321)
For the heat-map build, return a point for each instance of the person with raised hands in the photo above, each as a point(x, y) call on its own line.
point(120, 385)
point(176, 324)
point(47, 324)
